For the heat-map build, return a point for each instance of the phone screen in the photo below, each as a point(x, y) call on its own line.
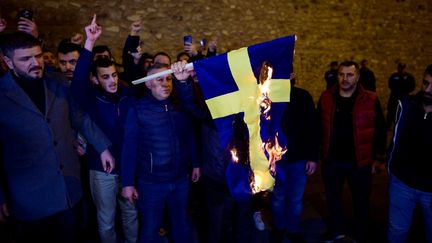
point(187, 39)
point(26, 13)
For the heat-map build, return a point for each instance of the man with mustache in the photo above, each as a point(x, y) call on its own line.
point(67, 56)
point(158, 151)
point(409, 162)
point(40, 188)
point(353, 136)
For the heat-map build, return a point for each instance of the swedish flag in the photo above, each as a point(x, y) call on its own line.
point(230, 85)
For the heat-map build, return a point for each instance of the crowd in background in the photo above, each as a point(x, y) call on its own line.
point(87, 156)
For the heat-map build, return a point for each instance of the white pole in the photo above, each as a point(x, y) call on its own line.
point(188, 66)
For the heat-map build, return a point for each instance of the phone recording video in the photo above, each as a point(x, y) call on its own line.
point(26, 13)
point(187, 39)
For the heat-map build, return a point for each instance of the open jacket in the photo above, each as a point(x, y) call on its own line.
point(40, 173)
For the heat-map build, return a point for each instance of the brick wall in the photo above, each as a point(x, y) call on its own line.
point(382, 31)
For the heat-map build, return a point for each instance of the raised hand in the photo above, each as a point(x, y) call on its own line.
point(191, 49)
point(3, 24)
point(77, 38)
point(180, 71)
point(93, 31)
point(28, 26)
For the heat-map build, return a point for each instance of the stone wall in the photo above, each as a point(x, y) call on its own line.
point(382, 31)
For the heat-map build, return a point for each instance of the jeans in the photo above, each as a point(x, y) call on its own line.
point(359, 182)
point(287, 198)
point(153, 196)
point(106, 193)
point(403, 200)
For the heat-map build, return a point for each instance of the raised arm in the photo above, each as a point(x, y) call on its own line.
point(132, 53)
point(81, 86)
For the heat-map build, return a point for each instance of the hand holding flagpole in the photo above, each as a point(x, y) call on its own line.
point(188, 67)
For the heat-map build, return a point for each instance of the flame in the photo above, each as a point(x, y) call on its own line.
point(256, 183)
point(234, 156)
point(275, 152)
point(264, 101)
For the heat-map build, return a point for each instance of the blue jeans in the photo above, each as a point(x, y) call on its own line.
point(153, 196)
point(403, 200)
point(106, 193)
point(287, 198)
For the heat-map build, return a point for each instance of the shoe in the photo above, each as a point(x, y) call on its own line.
point(259, 224)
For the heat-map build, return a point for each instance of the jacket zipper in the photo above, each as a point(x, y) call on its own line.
point(166, 107)
point(151, 163)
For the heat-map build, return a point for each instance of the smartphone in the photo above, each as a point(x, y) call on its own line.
point(187, 39)
point(26, 13)
point(203, 42)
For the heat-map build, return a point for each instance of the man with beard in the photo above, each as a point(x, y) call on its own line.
point(67, 56)
point(40, 189)
point(409, 162)
point(353, 136)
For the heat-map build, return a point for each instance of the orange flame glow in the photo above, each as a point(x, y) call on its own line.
point(234, 156)
point(275, 152)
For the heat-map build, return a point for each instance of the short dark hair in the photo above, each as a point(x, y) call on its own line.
point(161, 53)
point(428, 70)
point(183, 53)
point(101, 62)
point(349, 64)
point(66, 47)
point(157, 66)
point(101, 49)
point(17, 40)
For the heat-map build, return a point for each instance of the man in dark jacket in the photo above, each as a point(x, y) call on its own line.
point(300, 127)
point(367, 76)
point(107, 104)
point(157, 153)
point(42, 190)
point(353, 136)
point(409, 163)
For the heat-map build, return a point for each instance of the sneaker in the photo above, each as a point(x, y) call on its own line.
point(259, 224)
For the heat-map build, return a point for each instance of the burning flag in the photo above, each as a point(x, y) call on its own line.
point(250, 86)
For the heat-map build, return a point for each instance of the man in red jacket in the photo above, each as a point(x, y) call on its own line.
point(353, 135)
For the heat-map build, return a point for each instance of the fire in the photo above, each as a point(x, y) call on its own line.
point(264, 101)
point(275, 152)
point(234, 156)
point(255, 183)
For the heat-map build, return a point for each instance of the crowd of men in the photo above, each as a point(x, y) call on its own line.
point(78, 141)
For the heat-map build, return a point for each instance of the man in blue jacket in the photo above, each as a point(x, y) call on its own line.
point(107, 104)
point(158, 151)
point(40, 183)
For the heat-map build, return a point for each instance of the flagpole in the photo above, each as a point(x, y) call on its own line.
point(188, 66)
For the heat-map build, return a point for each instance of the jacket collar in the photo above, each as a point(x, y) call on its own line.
point(14, 92)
